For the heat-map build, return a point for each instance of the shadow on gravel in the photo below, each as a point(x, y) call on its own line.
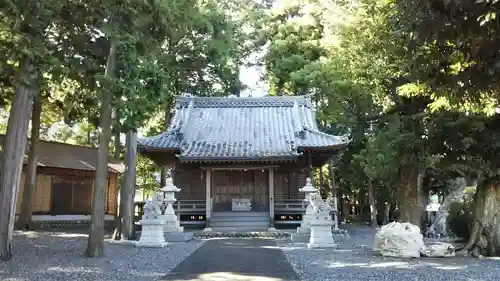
point(51, 256)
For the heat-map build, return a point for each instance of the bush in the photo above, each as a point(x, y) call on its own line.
point(460, 217)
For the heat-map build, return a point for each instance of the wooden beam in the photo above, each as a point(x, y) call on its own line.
point(271, 198)
point(208, 199)
point(240, 167)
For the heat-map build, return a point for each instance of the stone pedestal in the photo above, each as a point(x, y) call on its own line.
point(152, 234)
point(305, 225)
point(152, 225)
point(321, 234)
point(179, 236)
point(300, 237)
point(172, 224)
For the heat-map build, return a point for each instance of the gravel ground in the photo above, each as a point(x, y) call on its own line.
point(353, 260)
point(51, 256)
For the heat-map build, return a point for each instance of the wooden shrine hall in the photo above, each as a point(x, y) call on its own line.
point(241, 161)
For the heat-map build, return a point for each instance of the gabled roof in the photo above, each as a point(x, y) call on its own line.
point(242, 128)
point(62, 155)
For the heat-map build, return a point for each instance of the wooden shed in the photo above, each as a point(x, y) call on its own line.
point(241, 161)
point(64, 183)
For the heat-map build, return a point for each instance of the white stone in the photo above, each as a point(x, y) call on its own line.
point(321, 234)
point(241, 205)
point(305, 225)
point(399, 240)
point(179, 236)
point(321, 224)
point(300, 237)
point(152, 226)
point(152, 234)
point(438, 250)
point(172, 223)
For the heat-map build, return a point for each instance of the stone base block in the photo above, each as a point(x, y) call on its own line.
point(179, 236)
point(326, 245)
point(300, 237)
point(303, 230)
point(321, 236)
point(172, 229)
point(150, 244)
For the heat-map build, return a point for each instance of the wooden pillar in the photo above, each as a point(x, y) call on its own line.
point(208, 199)
point(271, 199)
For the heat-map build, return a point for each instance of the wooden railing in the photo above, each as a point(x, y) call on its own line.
point(190, 206)
point(181, 207)
point(289, 206)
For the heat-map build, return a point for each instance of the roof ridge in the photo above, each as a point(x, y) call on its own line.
point(267, 101)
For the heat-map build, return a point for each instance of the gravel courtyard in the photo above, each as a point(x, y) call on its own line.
point(50, 256)
point(353, 260)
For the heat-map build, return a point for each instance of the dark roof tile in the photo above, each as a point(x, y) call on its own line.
point(62, 155)
point(242, 128)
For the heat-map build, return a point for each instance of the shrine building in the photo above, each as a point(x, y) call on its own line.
point(240, 162)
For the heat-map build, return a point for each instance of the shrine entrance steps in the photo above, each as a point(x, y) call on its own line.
point(250, 259)
point(239, 221)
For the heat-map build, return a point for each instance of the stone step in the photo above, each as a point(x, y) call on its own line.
point(240, 233)
point(238, 218)
point(239, 228)
point(237, 223)
point(240, 214)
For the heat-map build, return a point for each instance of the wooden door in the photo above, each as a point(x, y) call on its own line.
point(227, 185)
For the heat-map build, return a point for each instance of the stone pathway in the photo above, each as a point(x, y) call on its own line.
point(249, 259)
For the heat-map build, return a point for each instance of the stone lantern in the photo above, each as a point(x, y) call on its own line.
point(172, 224)
point(309, 190)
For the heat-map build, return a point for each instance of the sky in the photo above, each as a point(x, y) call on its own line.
point(250, 76)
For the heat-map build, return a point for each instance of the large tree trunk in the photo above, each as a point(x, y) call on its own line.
point(24, 220)
point(117, 233)
point(409, 197)
point(387, 213)
point(333, 188)
point(95, 245)
point(166, 122)
point(485, 233)
point(373, 204)
point(128, 190)
point(13, 152)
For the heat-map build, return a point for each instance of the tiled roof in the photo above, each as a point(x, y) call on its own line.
point(62, 155)
point(242, 128)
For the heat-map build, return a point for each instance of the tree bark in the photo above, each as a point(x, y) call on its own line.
point(13, 152)
point(95, 245)
point(24, 220)
point(409, 197)
point(485, 232)
point(128, 190)
point(387, 212)
point(333, 188)
point(373, 204)
point(118, 228)
point(166, 122)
